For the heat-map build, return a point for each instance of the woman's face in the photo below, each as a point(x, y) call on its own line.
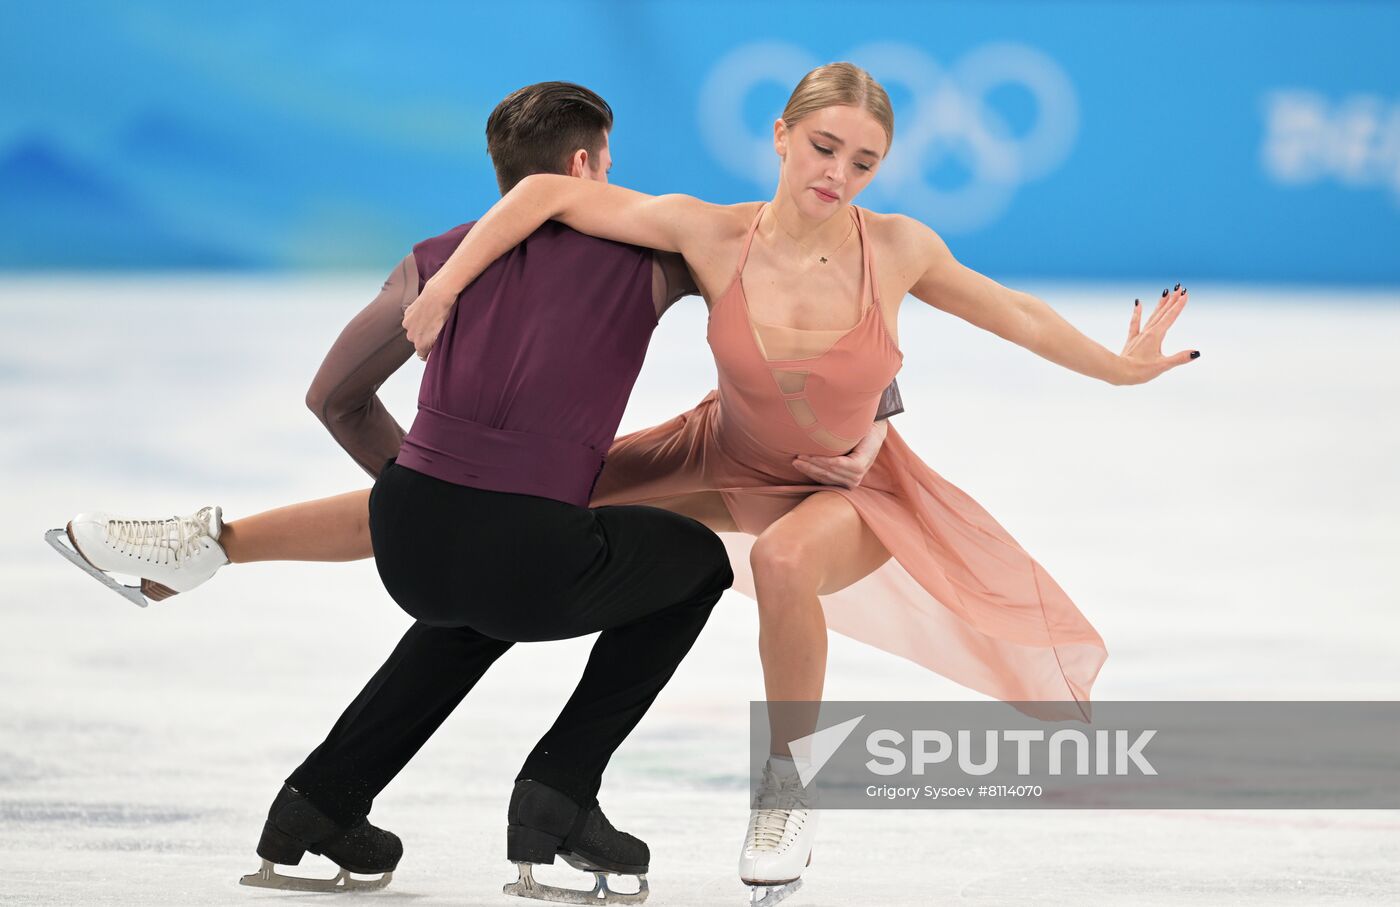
point(829, 157)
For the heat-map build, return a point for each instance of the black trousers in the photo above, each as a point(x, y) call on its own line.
point(481, 570)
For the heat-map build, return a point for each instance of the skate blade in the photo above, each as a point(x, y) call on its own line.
point(768, 895)
point(62, 542)
point(527, 887)
point(269, 877)
point(579, 861)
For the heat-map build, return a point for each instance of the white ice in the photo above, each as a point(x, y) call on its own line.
point(1230, 529)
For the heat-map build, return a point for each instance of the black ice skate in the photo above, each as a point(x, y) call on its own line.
point(295, 826)
point(545, 822)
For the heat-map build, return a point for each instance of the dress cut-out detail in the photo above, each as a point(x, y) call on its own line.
point(790, 382)
point(802, 414)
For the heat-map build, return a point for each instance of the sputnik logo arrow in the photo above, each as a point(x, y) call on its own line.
point(810, 753)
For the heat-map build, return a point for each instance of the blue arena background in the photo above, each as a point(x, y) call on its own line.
point(1251, 141)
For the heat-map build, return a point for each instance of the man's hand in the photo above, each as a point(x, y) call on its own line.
point(424, 318)
point(846, 471)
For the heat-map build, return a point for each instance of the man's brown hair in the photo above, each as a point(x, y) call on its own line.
point(537, 129)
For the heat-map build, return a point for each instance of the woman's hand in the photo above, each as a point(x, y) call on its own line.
point(846, 471)
point(425, 316)
point(1142, 354)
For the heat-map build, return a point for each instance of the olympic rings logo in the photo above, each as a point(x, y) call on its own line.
point(950, 119)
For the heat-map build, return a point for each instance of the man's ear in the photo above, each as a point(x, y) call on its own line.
point(579, 163)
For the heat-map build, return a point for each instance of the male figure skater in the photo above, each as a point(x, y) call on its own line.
point(480, 528)
point(481, 531)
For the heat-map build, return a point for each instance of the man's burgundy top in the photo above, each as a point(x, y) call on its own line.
point(527, 383)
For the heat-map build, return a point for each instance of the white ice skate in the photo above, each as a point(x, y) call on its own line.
point(169, 556)
point(778, 845)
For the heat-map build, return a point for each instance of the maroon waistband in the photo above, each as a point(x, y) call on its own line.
point(479, 456)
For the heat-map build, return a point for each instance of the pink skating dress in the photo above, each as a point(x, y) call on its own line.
point(958, 595)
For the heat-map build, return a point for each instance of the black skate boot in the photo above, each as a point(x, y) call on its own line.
point(294, 826)
point(544, 822)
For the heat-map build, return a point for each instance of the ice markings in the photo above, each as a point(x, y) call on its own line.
point(15, 769)
point(41, 812)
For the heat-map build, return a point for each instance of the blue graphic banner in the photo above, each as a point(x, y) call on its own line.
point(1248, 140)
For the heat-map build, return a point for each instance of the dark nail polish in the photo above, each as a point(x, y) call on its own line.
point(1195, 354)
point(1137, 302)
point(1164, 293)
point(1178, 286)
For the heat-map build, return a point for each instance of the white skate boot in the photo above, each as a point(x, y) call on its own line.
point(778, 845)
point(170, 556)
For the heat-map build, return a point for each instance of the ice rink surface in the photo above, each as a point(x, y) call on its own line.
point(1230, 529)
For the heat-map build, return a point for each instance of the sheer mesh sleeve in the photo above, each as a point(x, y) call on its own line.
point(891, 403)
point(671, 280)
point(343, 395)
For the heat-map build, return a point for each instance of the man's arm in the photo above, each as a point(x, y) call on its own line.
point(343, 395)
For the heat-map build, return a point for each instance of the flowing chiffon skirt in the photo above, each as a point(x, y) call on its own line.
point(958, 595)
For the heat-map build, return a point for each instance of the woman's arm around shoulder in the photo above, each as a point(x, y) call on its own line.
point(670, 223)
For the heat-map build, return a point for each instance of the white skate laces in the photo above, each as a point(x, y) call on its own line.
point(773, 829)
point(169, 555)
point(778, 845)
point(168, 543)
point(768, 829)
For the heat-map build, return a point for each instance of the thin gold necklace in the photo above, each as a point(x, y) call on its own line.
point(821, 258)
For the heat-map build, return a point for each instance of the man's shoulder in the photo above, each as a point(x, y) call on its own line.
point(452, 237)
point(549, 231)
point(555, 232)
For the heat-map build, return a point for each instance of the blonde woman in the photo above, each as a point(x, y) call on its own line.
point(803, 292)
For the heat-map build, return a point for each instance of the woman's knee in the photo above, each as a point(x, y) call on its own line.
point(782, 563)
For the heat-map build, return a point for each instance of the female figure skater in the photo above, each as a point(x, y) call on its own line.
point(803, 292)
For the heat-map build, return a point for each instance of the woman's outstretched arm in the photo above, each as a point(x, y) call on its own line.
point(937, 278)
point(671, 223)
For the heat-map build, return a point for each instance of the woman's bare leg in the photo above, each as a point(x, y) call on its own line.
point(337, 528)
point(329, 529)
point(820, 546)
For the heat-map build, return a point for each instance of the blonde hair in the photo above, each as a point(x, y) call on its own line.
point(840, 85)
